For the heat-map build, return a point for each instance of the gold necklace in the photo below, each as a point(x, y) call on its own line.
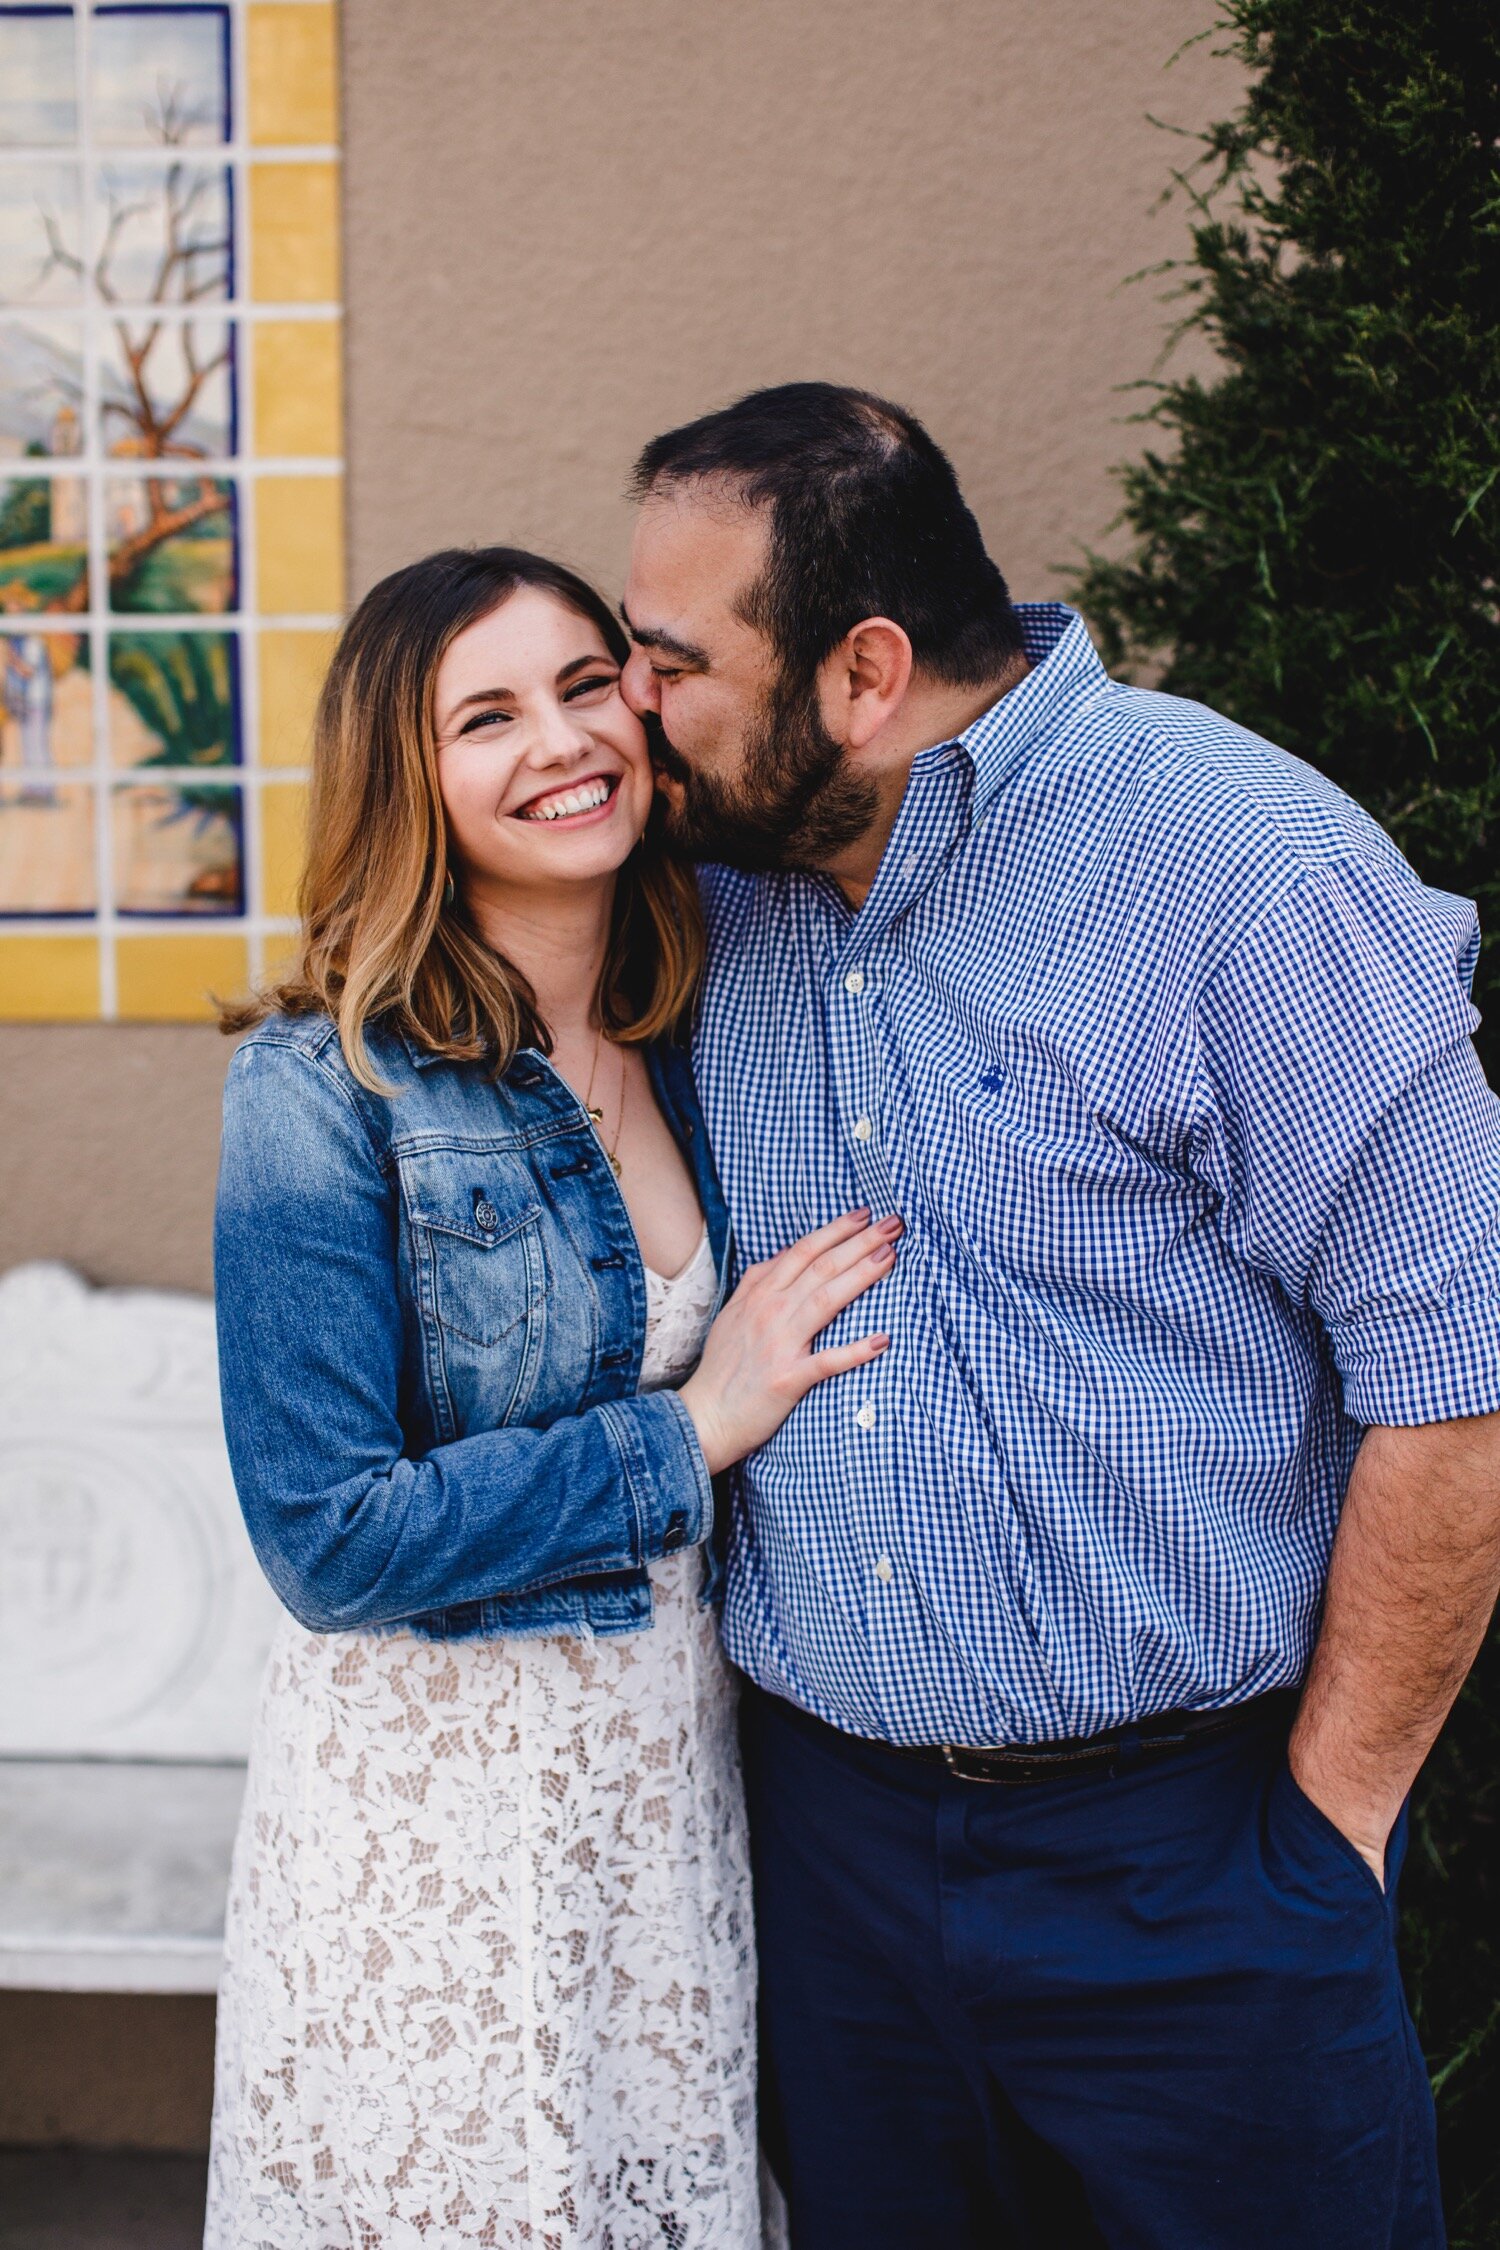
point(596, 1116)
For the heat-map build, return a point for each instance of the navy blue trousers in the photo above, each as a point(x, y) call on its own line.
point(1157, 2009)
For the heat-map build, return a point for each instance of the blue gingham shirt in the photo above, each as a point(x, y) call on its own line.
point(1162, 1051)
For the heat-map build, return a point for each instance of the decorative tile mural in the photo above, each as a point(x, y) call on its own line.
point(171, 498)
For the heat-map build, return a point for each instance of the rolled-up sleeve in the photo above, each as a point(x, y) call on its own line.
point(1355, 1141)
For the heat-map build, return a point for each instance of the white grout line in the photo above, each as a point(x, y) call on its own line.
point(148, 925)
point(173, 621)
point(149, 777)
point(254, 932)
point(203, 153)
point(168, 468)
point(97, 564)
point(207, 309)
point(251, 825)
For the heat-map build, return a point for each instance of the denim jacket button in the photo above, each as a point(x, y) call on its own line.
point(675, 1533)
point(485, 1214)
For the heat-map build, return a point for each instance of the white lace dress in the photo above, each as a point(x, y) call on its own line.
point(489, 1970)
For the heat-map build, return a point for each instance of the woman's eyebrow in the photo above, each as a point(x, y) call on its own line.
point(484, 695)
point(581, 664)
point(508, 695)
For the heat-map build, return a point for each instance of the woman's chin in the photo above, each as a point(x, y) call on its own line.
point(588, 856)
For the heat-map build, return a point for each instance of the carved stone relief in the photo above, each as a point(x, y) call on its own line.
point(134, 1620)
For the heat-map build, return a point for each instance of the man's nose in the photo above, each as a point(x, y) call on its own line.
point(638, 684)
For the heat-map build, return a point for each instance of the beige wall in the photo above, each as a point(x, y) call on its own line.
point(109, 1140)
point(572, 223)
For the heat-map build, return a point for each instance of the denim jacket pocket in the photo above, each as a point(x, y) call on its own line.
point(482, 1277)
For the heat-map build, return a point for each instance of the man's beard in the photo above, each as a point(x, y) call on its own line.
point(794, 806)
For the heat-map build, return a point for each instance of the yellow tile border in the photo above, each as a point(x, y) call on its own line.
point(171, 979)
point(49, 978)
point(292, 663)
point(294, 232)
point(283, 844)
point(299, 545)
point(297, 372)
point(291, 73)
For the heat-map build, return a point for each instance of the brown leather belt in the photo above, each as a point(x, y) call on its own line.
point(1151, 1738)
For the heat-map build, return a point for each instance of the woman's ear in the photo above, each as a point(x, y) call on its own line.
point(865, 679)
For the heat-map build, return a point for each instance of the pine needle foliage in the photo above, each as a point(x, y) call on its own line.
point(1315, 551)
point(1318, 552)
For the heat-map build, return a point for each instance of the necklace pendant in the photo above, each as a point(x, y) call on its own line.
point(614, 1164)
point(597, 1115)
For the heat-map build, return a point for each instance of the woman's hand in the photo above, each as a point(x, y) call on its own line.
point(758, 1360)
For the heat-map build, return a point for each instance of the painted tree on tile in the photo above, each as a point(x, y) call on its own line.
point(151, 420)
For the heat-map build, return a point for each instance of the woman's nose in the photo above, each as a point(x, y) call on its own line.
point(638, 684)
point(564, 734)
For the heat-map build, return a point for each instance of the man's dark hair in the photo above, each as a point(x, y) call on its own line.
point(866, 520)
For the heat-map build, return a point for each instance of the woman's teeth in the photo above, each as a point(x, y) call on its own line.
point(584, 799)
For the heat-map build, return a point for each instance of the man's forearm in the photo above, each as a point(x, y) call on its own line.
point(1411, 1587)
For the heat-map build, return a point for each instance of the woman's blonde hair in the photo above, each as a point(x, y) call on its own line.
point(384, 933)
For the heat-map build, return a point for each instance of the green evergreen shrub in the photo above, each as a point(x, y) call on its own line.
point(1315, 551)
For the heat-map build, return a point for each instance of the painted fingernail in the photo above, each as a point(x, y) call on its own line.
point(883, 1253)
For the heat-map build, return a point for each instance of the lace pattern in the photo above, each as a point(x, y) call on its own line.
point(489, 1968)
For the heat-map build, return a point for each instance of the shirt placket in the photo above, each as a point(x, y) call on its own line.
point(860, 1029)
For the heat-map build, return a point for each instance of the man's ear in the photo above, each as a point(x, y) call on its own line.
point(864, 680)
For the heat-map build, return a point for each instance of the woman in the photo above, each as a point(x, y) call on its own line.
point(489, 1970)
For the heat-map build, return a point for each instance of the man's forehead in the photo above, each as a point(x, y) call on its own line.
point(692, 550)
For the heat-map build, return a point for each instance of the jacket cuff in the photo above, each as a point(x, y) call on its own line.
point(665, 1472)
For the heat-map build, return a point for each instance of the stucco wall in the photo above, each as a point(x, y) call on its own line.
point(109, 1138)
point(572, 224)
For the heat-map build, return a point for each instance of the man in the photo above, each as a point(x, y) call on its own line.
point(1162, 1051)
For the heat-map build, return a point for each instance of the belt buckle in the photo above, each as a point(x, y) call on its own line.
point(1029, 1766)
point(954, 1752)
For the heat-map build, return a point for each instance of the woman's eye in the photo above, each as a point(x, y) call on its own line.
point(591, 686)
point(484, 719)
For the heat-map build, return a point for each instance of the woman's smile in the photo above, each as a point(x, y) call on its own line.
point(576, 805)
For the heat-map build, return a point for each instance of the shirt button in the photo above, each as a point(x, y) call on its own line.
point(884, 1571)
point(855, 982)
point(863, 1129)
point(866, 1417)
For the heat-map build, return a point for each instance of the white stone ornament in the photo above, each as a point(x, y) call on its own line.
point(134, 1620)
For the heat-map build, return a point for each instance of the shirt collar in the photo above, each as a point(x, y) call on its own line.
point(527, 1065)
point(420, 1057)
point(1065, 672)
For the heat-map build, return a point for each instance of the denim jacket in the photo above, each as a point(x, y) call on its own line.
point(431, 1313)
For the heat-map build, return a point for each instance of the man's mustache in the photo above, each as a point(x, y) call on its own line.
point(663, 757)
